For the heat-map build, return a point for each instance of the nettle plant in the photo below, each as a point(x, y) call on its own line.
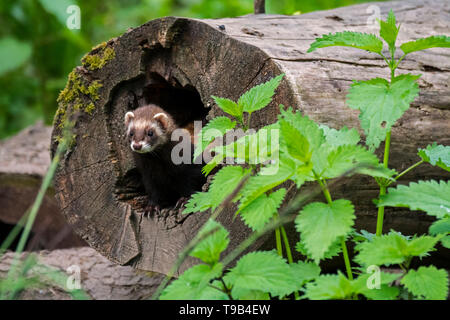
point(284, 155)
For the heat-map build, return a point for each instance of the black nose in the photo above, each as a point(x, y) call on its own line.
point(137, 146)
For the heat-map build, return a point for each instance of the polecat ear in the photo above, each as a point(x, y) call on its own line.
point(163, 120)
point(128, 117)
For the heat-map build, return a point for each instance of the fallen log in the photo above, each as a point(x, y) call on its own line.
point(182, 62)
point(24, 160)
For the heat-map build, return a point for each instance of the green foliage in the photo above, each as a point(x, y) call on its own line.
point(437, 155)
point(13, 54)
point(358, 40)
point(381, 104)
point(429, 196)
point(272, 275)
point(262, 209)
point(426, 43)
point(389, 30)
point(209, 249)
point(393, 249)
point(427, 283)
point(259, 96)
point(320, 224)
point(193, 284)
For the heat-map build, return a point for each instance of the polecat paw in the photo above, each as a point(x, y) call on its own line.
point(181, 202)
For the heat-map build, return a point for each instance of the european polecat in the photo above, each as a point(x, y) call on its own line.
point(149, 130)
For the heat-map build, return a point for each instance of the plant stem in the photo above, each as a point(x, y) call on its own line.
point(346, 259)
point(278, 239)
point(407, 170)
point(380, 216)
point(286, 244)
point(327, 195)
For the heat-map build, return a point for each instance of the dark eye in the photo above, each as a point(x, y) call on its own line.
point(150, 133)
point(131, 133)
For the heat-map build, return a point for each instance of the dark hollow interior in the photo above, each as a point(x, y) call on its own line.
point(183, 103)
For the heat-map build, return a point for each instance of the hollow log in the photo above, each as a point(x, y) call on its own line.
point(24, 160)
point(182, 62)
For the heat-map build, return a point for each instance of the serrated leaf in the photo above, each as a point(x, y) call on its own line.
point(440, 226)
point(393, 249)
point(389, 30)
point(264, 271)
point(381, 104)
point(348, 157)
point(426, 43)
point(198, 202)
point(261, 183)
point(262, 209)
point(209, 249)
point(341, 137)
point(437, 155)
point(228, 106)
point(259, 96)
point(427, 283)
point(304, 272)
point(13, 54)
point(364, 41)
point(429, 196)
point(384, 292)
point(333, 251)
point(217, 127)
point(327, 287)
point(193, 285)
point(240, 293)
point(297, 145)
point(320, 224)
point(224, 183)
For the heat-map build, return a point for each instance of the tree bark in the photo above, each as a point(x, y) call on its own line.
point(183, 62)
point(24, 160)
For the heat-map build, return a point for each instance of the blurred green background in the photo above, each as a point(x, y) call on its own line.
point(37, 50)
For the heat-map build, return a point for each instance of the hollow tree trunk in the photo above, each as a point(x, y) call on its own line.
point(185, 61)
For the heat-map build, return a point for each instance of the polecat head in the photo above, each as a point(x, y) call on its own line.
point(148, 128)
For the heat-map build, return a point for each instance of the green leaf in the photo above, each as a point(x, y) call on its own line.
point(209, 249)
point(440, 226)
point(364, 41)
point(357, 158)
point(217, 127)
point(429, 196)
point(240, 293)
point(228, 106)
point(344, 136)
point(389, 30)
point(333, 250)
point(198, 202)
point(193, 284)
point(381, 104)
point(427, 283)
point(224, 183)
point(296, 144)
point(262, 209)
point(445, 241)
point(264, 271)
point(426, 43)
point(384, 292)
point(259, 96)
point(320, 224)
point(262, 182)
point(393, 249)
point(13, 54)
point(437, 155)
point(327, 287)
point(304, 272)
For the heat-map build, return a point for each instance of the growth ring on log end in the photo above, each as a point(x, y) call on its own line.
point(182, 62)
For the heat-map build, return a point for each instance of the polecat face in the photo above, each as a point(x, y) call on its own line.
point(148, 128)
